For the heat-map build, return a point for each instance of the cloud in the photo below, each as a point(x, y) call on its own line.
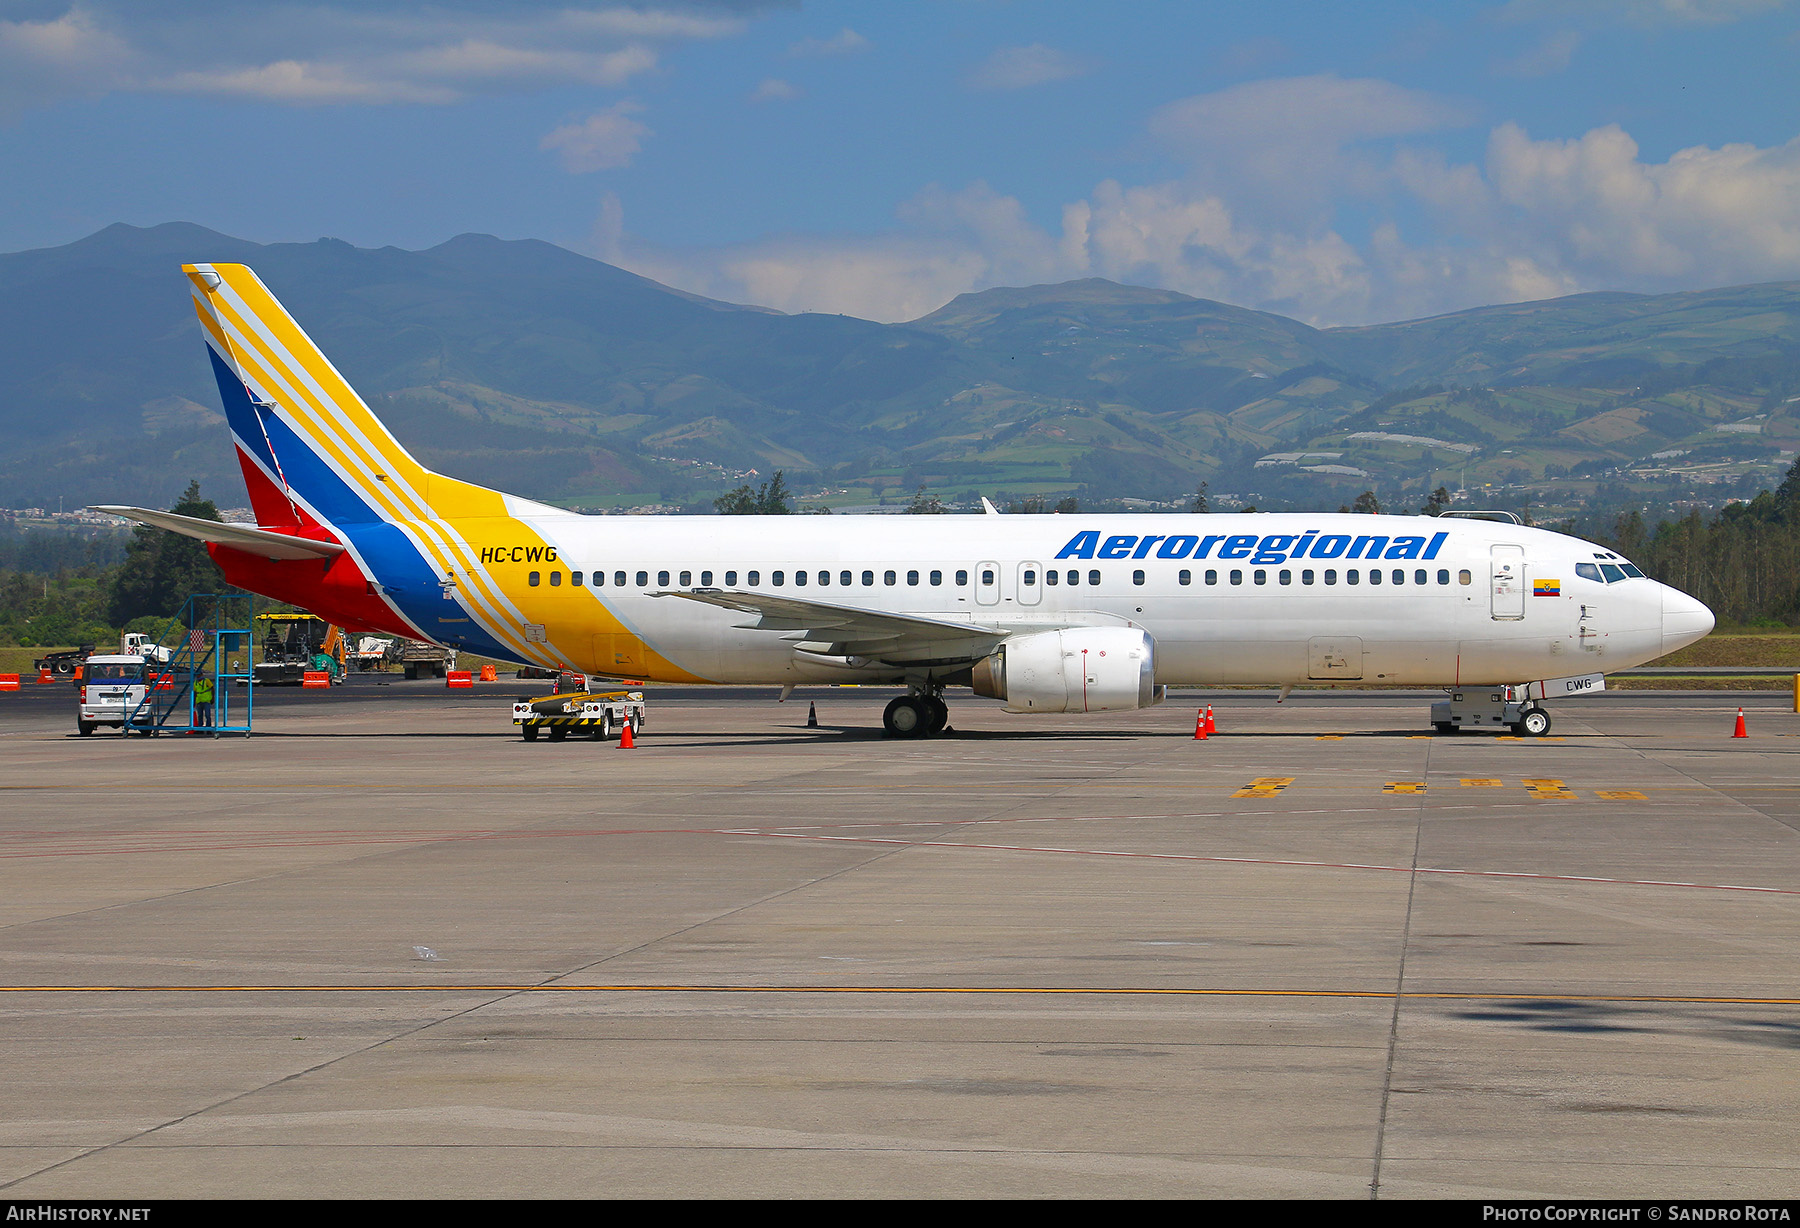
point(1017, 68)
point(1552, 55)
point(844, 42)
point(1637, 12)
point(773, 89)
point(1530, 219)
point(300, 52)
point(604, 140)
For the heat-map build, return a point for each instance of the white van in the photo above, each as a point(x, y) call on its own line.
point(112, 688)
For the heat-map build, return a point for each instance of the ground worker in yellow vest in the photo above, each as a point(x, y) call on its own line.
point(203, 702)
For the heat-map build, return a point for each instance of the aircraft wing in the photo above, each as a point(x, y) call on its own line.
point(238, 536)
point(850, 631)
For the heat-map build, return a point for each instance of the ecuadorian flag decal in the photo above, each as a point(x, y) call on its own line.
point(1546, 588)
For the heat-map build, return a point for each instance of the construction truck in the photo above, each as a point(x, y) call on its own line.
point(422, 660)
point(64, 661)
point(294, 644)
point(373, 653)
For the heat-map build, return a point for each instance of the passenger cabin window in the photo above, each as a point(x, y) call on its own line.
point(706, 579)
point(532, 579)
point(1137, 577)
point(987, 575)
point(556, 579)
point(937, 578)
point(687, 578)
point(890, 579)
point(1443, 575)
point(1419, 577)
point(1030, 578)
point(1306, 577)
point(800, 577)
point(962, 579)
point(1464, 577)
point(1374, 575)
point(643, 579)
point(1182, 577)
point(846, 579)
point(1352, 576)
point(575, 578)
point(662, 579)
point(1261, 576)
point(1074, 577)
point(912, 579)
point(731, 579)
point(1212, 577)
point(1237, 577)
point(753, 578)
point(1285, 576)
point(1093, 577)
point(1052, 578)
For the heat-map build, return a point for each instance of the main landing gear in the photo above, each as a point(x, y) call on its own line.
point(916, 716)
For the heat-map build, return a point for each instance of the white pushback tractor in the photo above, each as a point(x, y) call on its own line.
point(572, 708)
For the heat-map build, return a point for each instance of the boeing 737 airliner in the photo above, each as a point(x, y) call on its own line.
point(1046, 613)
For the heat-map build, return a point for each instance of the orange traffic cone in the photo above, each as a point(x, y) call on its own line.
point(45, 677)
point(812, 716)
point(1211, 728)
point(625, 742)
point(1740, 731)
point(1199, 725)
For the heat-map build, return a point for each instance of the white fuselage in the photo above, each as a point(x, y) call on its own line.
point(1264, 599)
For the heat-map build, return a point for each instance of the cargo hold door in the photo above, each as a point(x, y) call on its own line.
point(1334, 656)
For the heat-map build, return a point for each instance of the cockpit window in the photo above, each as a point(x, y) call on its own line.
point(1631, 571)
point(1587, 571)
point(1613, 572)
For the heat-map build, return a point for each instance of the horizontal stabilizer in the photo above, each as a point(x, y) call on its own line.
point(243, 537)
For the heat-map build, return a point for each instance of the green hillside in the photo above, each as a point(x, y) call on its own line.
point(526, 366)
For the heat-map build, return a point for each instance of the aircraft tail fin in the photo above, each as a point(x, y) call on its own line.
point(310, 448)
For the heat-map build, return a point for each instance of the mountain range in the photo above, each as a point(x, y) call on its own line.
point(526, 366)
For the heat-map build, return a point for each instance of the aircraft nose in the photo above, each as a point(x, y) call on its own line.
point(1684, 620)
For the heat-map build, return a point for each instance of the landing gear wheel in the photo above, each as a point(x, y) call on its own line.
point(906, 717)
point(940, 715)
point(1533, 723)
point(528, 732)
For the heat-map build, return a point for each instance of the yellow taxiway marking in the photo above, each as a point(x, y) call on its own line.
point(1482, 782)
point(1265, 786)
point(1622, 795)
point(1324, 737)
point(1513, 737)
point(1404, 786)
point(1378, 994)
point(1549, 788)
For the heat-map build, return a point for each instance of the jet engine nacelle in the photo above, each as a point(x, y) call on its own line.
point(1086, 669)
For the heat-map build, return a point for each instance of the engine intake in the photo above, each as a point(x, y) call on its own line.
point(1087, 669)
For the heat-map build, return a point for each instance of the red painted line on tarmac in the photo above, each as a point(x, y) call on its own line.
point(1274, 861)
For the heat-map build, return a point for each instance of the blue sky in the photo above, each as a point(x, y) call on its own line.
point(1340, 163)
